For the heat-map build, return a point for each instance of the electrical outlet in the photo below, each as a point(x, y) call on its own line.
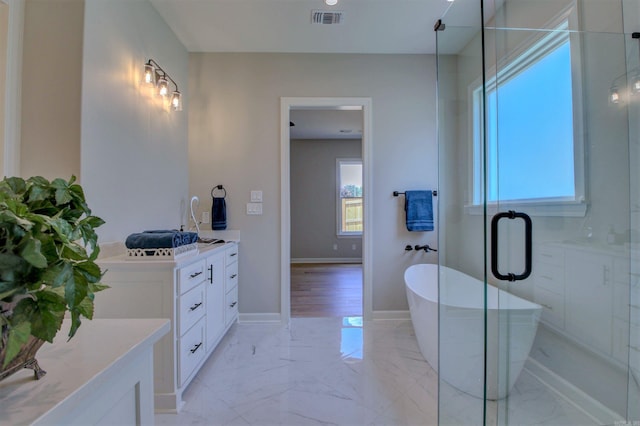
point(205, 216)
point(353, 246)
point(335, 247)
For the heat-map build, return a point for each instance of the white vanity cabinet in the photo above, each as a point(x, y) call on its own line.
point(584, 292)
point(231, 284)
point(193, 292)
point(215, 298)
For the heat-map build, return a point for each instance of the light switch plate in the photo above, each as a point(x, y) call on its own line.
point(256, 196)
point(254, 208)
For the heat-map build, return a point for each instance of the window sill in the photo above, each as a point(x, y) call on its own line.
point(534, 208)
point(358, 235)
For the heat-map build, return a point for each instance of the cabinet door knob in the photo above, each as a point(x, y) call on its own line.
point(211, 274)
point(195, 348)
point(233, 254)
point(233, 304)
point(233, 276)
point(195, 274)
point(194, 307)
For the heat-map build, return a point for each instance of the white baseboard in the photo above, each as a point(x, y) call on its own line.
point(265, 317)
point(599, 413)
point(390, 315)
point(327, 260)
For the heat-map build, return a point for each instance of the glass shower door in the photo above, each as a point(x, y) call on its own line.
point(538, 136)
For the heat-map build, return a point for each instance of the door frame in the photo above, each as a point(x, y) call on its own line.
point(286, 104)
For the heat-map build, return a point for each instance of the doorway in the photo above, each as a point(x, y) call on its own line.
point(363, 105)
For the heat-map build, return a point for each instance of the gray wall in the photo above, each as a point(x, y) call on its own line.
point(51, 88)
point(234, 140)
point(134, 150)
point(313, 199)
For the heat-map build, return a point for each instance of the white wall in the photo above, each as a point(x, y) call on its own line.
point(134, 151)
point(313, 199)
point(234, 140)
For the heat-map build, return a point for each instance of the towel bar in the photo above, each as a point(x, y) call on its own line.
point(396, 193)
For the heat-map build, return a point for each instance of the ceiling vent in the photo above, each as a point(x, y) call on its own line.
point(325, 17)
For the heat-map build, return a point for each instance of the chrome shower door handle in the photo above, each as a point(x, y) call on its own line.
point(527, 245)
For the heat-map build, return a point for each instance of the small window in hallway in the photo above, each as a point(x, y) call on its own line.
point(349, 206)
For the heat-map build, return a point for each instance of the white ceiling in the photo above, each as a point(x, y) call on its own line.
point(369, 26)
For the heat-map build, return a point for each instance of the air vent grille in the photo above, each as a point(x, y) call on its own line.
point(324, 17)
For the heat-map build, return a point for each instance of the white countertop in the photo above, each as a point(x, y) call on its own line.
point(75, 367)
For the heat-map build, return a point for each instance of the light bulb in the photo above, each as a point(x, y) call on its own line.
point(176, 101)
point(635, 84)
point(163, 86)
point(331, 2)
point(149, 74)
point(614, 95)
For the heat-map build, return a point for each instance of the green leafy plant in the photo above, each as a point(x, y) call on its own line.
point(48, 248)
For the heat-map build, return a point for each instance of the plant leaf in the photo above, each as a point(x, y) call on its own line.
point(48, 316)
point(18, 336)
point(32, 254)
point(58, 274)
point(85, 308)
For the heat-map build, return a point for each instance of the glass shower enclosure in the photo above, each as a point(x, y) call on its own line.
point(539, 198)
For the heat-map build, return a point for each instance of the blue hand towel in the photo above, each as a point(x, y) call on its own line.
point(418, 206)
point(218, 214)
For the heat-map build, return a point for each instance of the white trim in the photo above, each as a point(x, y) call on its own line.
point(13, 91)
point(365, 104)
point(550, 209)
point(327, 260)
point(264, 317)
point(390, 315)
point(591, 407)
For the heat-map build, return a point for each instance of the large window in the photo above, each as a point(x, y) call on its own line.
point(530, 128)
point(349, 214)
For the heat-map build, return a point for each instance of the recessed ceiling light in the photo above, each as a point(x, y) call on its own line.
point(331, 2)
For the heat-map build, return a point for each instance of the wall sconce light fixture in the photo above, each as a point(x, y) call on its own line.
point(617, 95)
point(155, 76)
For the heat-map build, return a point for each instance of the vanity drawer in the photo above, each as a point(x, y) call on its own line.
point(191, 275)
point(231, 254)
point(548, 254)
point(550, 277)
point(191, 351)
point(191, 308)
point(232, 306)
point(231, 276)
point(552, 307)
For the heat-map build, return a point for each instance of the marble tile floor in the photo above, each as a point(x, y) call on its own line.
point(339, 371)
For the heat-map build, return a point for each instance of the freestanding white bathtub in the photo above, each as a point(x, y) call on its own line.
point(511, 327)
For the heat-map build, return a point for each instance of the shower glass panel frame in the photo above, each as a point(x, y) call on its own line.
point(581, 363)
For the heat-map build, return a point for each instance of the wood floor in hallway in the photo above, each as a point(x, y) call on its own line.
point(326, 290)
